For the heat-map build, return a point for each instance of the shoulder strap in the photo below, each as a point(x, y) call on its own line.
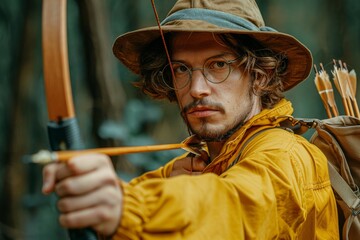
point(347, 195)
point(343, 189)
point(245, 144)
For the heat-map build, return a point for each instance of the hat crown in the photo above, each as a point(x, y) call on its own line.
point(247, 9)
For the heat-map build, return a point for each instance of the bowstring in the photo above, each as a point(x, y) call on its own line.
point(163, 38)
point(168, 57)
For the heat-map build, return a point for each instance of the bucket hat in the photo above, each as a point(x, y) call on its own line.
point(219, 16)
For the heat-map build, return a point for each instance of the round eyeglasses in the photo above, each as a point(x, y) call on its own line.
point(215, 70)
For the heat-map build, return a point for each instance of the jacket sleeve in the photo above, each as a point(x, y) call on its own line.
point(162, 172)
point(243, 203)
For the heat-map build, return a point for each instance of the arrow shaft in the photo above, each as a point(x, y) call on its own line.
point(113, 151)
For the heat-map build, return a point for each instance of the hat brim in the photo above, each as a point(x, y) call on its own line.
point(127, 47)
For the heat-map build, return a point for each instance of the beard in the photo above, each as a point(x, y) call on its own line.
point(208, 134)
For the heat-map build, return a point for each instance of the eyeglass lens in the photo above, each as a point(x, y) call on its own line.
point(215, 70)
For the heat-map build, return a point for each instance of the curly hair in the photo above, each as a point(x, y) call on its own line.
point(266, 68)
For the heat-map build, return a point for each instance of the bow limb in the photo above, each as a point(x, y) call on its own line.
point(56, 71)
point(63, 129)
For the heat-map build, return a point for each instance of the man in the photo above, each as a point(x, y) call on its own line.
point(255, 181)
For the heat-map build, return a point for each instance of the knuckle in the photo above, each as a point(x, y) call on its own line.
point(66, 221)
point(200, 163)
point(49, 171)
point(103, 159)
point(64, 205)
point(65, 188)
point(109, 177)
point(107, 160)
point(103, 214)
point(111, 196)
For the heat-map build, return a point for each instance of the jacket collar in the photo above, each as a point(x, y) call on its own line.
point(267, 118)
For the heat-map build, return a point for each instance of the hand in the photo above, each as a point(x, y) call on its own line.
point(191, 165)
point(89, 192)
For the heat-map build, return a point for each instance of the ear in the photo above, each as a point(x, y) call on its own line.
point(260, 81)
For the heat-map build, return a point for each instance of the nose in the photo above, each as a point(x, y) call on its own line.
point(199, 86)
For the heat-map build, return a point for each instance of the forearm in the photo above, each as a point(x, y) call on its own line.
point(158, 209)
point(195, 207)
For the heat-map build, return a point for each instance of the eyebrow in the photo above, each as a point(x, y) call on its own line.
point(214, 56)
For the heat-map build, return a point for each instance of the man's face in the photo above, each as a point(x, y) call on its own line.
point(212, 109)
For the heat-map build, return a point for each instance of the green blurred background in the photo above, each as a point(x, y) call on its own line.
point(110, 111)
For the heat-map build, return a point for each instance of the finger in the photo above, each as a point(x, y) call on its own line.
point(49, 177)
point(63, 171)
point(108, 195)
point(182, 171)
point(89, 162)
point(108, 228)
point(80, 165)
point(187, 165)
point(103, 219)
point(198, 164)
point(204, 155)
point(86, 182)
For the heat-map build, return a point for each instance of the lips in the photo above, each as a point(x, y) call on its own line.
point(202, 111)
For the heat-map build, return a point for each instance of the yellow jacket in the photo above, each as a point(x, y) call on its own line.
point(279, 189)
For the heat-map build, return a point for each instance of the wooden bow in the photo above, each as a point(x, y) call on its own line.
point(63, 129)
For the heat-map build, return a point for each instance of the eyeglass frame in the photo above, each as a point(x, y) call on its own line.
point(190, 71)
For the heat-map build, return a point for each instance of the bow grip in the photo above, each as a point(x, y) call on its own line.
point(65, 134)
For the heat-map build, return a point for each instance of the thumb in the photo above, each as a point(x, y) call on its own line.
point(198, 163)
point(49, 177)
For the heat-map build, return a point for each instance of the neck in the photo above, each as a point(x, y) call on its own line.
point(214, 148)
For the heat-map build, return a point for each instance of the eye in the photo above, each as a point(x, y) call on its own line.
point(180, 68)
point(217, 65)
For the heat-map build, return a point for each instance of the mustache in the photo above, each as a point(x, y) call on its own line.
point(202, 102)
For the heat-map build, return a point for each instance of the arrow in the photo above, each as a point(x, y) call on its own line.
point(191, 144)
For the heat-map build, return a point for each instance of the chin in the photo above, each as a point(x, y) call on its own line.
point(210, 133)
